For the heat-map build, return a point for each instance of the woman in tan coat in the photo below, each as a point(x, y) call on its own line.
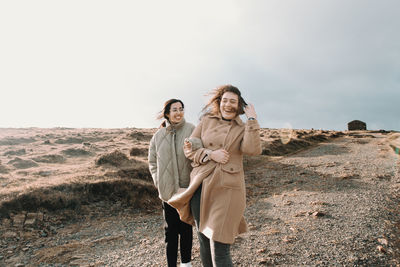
point(216, 197)
point(170, 170)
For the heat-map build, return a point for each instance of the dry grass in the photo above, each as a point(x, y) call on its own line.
point(58, 169)
point(133, 192)
point(137, 151)
point(116, 159)
point(279, 142)
point(50, 159)
point(63, 168)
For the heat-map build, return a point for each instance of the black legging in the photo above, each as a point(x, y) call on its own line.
point(174, 227)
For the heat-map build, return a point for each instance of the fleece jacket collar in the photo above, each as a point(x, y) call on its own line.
point(174, 127)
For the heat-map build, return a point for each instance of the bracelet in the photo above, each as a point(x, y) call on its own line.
point(251, 119)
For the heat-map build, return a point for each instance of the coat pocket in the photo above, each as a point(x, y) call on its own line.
point(231, 176)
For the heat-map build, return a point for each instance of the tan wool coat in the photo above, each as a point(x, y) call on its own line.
point(223, 196)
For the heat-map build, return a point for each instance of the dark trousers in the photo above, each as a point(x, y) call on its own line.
point(175, 228)
point(212, 253)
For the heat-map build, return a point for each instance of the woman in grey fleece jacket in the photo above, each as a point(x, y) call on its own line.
point(170, 170)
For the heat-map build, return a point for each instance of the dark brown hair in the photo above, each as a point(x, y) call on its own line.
point(166, 110)
point(212, 107)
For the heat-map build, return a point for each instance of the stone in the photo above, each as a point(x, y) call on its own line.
point(30, 222)
point(28, 234)
point(40, 216)
point(318, 214)
point(381, 249)
point(288, 239)
point(288, 203)
point(10, 234)
point(18, 220)
point(32, 219)
point(43, 234)
point(262, 250)
point(6, 223)
point(383, 241)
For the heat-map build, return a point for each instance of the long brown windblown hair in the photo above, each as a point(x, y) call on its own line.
point(212, 107)
point(167, 108)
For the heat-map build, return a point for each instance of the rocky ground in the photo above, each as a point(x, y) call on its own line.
point(335, 202)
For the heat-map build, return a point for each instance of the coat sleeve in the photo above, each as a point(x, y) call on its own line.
point(198, 152)
point(195, 141)
point(152, 158)
point(251, 143)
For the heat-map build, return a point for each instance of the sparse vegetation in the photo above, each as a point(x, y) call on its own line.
point(142, 173)
point(18, 152)
point(140, 136)
point(12, 141)
point(278, 144)
point(49, 159)
point(3, 169)
point(76, 152)
point(133, 192)
point(137, 151)
point(22, 164)
point(69, 140)
point(115, 158)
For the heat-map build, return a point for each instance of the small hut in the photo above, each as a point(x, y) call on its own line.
point(356, 125)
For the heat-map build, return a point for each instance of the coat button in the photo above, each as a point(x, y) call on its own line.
point(211, 144)
point(220, 145)
point(251, 128)
point(231, 169)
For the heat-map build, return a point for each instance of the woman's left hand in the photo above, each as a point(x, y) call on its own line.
point(187, 145)
point(250, 111)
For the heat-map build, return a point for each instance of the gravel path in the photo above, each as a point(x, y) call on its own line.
point(333, 205)
point(330, 206)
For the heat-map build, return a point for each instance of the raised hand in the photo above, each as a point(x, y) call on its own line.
point(250, 111)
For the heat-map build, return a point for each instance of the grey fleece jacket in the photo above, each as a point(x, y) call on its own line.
point(168, 165)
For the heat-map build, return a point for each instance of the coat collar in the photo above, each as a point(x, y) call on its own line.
point(175, 127)
point(237, 119)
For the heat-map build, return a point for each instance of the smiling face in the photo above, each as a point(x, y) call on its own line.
point(176, 113)
point(229, 105)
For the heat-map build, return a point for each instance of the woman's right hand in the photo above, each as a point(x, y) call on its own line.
point(220, 156)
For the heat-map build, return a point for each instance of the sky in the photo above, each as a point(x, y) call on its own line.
point(112, 64)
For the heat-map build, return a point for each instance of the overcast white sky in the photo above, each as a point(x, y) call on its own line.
point(308, 64)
